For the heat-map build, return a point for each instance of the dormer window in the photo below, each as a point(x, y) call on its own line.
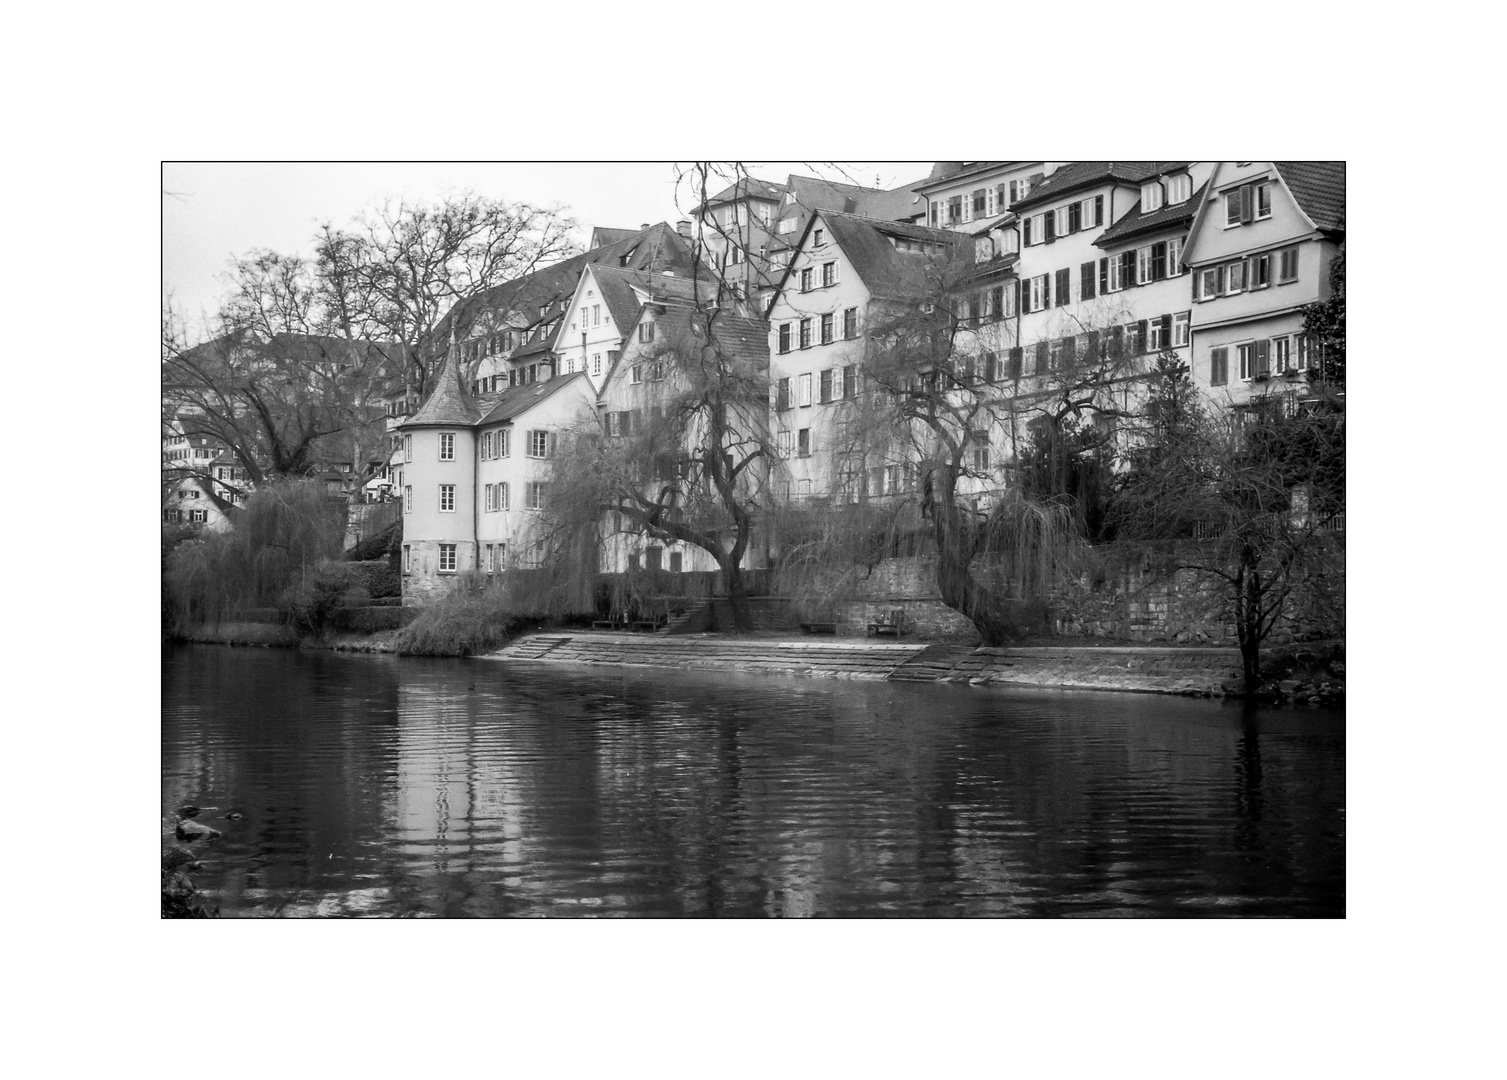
point(820, 238)
point(1179, 189)
point(1151, 196)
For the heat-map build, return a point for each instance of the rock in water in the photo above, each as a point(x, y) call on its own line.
point(174, 857)
point(192, 830)
point(189, 811)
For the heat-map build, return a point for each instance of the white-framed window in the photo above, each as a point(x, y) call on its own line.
point(1180, 326)
point(850, 323)
point(533, 495)
point(408, 499)
point(805, 333)
point(646, 331)
point(829, 274)
point(491, 563)
point(784, 337)
point(818, 237)
point(486, 445)
point(1208, 282)
point(447, 446)
point(1234, 277)
point(596, 363)
point(489, 504)
point(784, 442)
point(407, 448)
point(407, 558)
point(837, 386)
point(1282, 354)
point(1114, 279)
point(1260, 272)
point(596, 314)
point(1088, 213)
point(826, 328)
point(504, 501)
point(803, 487)
point(1287, 266)
point(1036, 293)
point(1151, 196)
point(539, 443)
point(1036, 230)
point(447, 498)
point(1247, 354)
point(803, 389)
point(1063, 222)
point(1263, 201)
point(1175, 256)
point(1232, 208)
point(806, 280)
point(1143, 264)
point(1179, 188)
point(198, 515)
point(447, 558)
point(502, 442)
point(1154, 339)
point(636, 373)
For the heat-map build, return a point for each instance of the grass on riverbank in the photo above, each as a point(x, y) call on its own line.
point(462, 624)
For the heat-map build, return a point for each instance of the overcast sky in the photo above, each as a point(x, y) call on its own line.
point(213, 212)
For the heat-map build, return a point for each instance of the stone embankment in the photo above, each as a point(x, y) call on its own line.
point(1147, 669)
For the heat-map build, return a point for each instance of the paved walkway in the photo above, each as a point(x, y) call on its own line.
point(1148, 669)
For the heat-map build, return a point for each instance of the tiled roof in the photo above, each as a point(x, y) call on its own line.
point(1319, 187)
point(744, 187)
point(741, 336)
point(449, 403)
point(1080, 174)
point(618, 285)
point(516, 400)
point(813, 194)
point(601, 236)
point(1135, 223)
point(884, 269)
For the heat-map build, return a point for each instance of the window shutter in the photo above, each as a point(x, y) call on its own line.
point(1049, 222)
point(1069, 351)
point(1098, 209)
point(550, 445)
point(1026, 229)
point(1159, 261)
point(1075, 217)
point(1093, 346)
point(1247, 201)
point(1127, 269)
point(1140, 336)
point(1264, 357)
point(1046, 291)
point(1042, 352)
point(1219, 287)
point(1218, 359)
point(1103, 274)
point(1064, 286)
point(1117, 343)
point(1086, 274)
point(1167, 331)
point(1015, 361)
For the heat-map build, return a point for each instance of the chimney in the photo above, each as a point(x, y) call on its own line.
point(644, 226)
point(683, 227)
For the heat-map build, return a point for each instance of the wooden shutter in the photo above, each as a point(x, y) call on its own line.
point(1046, 291)
point(826, 386)
point(1127, 269)
point(1159, 261)
point(1026, 230)
point(850, 381)
point(1103, 274)
point(1116, 342)
point(1264, 357)
point(1075, 217)
point(1042, 351)
point(1069, 351)
point(1049, 227)
point(1247, 204)
point(1098, 209)
point(991, 366)
point(1140, 336)
point(1218, 366)
point(1064, 286)
point(1086, 273)
point(1093, 346)
point(1016, 355)
point(1167, 331)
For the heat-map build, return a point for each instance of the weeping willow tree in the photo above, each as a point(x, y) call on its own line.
point(285, 529)
point(987, 439)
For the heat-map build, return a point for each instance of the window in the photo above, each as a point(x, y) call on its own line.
point(1091, 212)
point(1062, 220)
point(1157, 332)
point(784, 337)
point(646, 331)
point(447, 446)
point(1282, 355)
point(596, 314)
point(827, 329)
point(407, 448)
point(1263, 201)
point(502, 442)
point(1287, 266)
point(1219, 366)
point(1180, 323)
point(850, 382)
point(677, 561)
point(980, 450)
point(1247, 203)
point(1175, 256)
point(783, 442)
point(1064, 287)
point(407, 558)
point(954, 209)
point(1111, 273)
point(540, 443)
point(533, 495)
point(806, 280)
point(198, 515)
point(1179, 188)
point(980, 202)
point(1235, 277)
point(1036, 230)
point(818, 237)
point(1260, 272)
point(447, 498)
point(782, 395)
point(826, 387)
point(803, 390)
point(408, 499)
point(1039, 293)
point(1209, 283)
point(803, 487)
point(489, 505)
point(829, 274)
point(803, 442)
point(1247, 355)
point(850, 323)
point(805, 333)
point(596, 363)
point(447, 558)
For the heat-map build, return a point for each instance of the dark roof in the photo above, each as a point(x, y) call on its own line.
point(1135, 223)
point(945, 173)
point(1080, 174)
point(1319, 187)
point(516, 400)
point(656, 248)
point(887, 205)
point(450, 403)
point(744, 188)
point(884, 269)
point(601, 235)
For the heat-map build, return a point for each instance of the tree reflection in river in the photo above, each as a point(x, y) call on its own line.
point(387, 786)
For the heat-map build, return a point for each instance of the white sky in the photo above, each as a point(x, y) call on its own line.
point(212, 212)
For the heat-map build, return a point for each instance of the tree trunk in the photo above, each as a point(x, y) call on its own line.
point(737, 596)
point(980, 605)
point(1248, 621)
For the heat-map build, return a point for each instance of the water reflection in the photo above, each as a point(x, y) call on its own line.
point(372, 785)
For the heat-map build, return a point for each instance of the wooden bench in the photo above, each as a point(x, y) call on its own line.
point(819, 627)
point(609, 624)
point(894, 623)
point(649, 624)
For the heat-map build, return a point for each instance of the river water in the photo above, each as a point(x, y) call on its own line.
point(375, 785)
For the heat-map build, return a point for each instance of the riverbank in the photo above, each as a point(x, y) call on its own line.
point(1193, 672)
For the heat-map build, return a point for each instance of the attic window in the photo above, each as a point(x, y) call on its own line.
point(1151, 196)
point(820, 237)
point(1179, 189)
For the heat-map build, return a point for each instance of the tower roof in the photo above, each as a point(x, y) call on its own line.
point(450, 403)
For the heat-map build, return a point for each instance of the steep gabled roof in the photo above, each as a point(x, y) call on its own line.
point(517, 400)
point(602, 236)
point(450, 403)
point(887, 205)
point(1077, 175)
point(1136, 223)
point(884, 269)
point(1319, 187)
point(746, 187)
point(618, 287)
